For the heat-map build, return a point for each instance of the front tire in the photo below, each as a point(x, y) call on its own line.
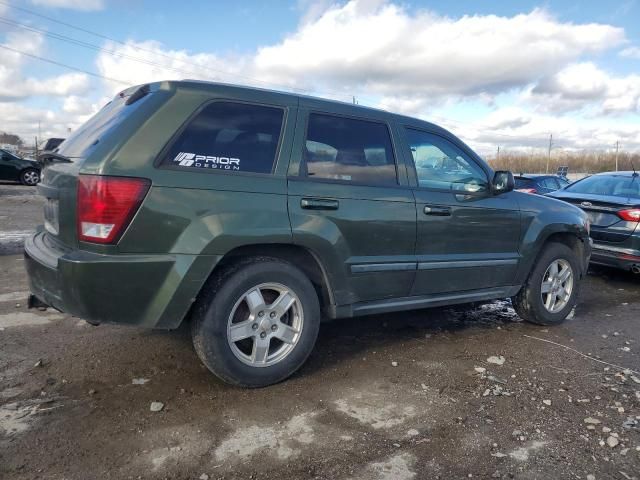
point(551, 291)
point(256, 323)
point(30, 177)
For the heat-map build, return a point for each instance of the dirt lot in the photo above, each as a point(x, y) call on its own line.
point(412, 395)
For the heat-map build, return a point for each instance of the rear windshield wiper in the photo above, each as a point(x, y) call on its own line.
point(51, 155)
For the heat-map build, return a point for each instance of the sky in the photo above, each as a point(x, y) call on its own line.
point(497, 74)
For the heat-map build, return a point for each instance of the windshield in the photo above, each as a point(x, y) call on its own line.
point(612, 185)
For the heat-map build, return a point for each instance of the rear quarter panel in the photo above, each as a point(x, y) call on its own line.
point(197, 212)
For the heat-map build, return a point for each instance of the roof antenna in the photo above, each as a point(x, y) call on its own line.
point(635, 174)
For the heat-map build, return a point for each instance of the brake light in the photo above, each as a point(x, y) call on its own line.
point(526, 190)
point(106, 205)
point(630, 215)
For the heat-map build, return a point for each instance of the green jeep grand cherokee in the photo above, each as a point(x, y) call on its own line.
point(256, 213)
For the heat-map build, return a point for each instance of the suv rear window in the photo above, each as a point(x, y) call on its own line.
point(346, 149)
point(81, 142)
point(228, 136)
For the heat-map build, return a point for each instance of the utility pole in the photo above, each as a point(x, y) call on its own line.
point(617, 147)
point(550, 147)
point(498, 155)
point(355, 102)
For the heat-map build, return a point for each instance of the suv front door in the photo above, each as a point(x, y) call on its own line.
point(467, 239)
point(349, 206)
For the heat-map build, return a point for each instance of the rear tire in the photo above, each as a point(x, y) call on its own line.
point(551, 291)
point(256, 323)
point(30, 177)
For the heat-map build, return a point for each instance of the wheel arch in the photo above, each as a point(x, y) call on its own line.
point(564, 235)
point(301, 257)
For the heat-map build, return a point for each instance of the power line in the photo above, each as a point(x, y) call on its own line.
point(92, 46)
point(155, 52)
point(59, 64)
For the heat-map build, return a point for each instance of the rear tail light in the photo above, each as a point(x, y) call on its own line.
point(630, 215)
point(526, 190)
point(106, 205)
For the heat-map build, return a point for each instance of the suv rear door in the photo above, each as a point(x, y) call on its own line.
point(467, 238)
point(349, 202)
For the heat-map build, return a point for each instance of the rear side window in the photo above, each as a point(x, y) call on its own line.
point(350, 150)
point(550, 183)
point(228, 136)
point(523, 182)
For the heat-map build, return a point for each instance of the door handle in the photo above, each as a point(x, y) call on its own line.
point(437, 210)
point(319, 204)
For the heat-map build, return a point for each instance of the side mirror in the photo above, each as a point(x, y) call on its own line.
point(502, 182)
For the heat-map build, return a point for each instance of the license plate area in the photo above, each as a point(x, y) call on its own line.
point(51, 216)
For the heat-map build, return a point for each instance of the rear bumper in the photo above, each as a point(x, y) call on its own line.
point(154, 291)
point(623, 258)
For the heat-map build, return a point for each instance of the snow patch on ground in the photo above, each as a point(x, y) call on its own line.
point(25, 319)
point(397, 467)
point(375, 410)
point(284, 441)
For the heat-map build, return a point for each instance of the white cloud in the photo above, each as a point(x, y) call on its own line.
point(140, 62)
point(517, 128)
point(630, 52)
point(410, 62)
point(14, 85)
point(380, 48)
point(23, 120)
point(386, 50)
point(584, 85)
point(87, 5)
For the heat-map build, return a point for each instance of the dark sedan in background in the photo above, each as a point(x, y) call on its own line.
point(539, 183)
point(612, 201)
point(16, 169)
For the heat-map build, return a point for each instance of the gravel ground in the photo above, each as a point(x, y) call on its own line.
point(441, 393)
point(20, 212)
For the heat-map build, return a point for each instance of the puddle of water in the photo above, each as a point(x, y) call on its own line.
point(25, 319)
point(282, 440)
point(14, 296)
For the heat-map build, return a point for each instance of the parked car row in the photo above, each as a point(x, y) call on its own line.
point(14, 168)
point(17, 169)
point(540, 183)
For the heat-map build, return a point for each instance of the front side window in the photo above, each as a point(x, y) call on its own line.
point(441, 165)
point(350, 150)
point(232, 137)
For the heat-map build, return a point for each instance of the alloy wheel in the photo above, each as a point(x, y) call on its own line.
point(31, 178)
point(557, 285)
point(265, 324)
